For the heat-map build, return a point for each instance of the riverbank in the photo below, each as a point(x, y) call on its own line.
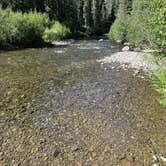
point(152, 65)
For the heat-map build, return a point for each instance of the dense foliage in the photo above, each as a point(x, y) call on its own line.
point(22, 29)
point(143, 25)
point(159, 79)
point(158, 23)
point(28, 29)
point(56, 32)
point(118, 30)
point(87, 16)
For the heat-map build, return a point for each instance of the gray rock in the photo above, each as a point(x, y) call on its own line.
point(100, 40)
point(126, 48)
point(137, 49)
point(119, 41)
point(75, 148)
point(126, 44)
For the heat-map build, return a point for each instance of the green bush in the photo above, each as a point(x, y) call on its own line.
point(147, 23)
point(137, 27)
point(118, 31)
point(58, 31)
point(159, 80)
point(157, 22)
point(31, 28)
point(22, 29)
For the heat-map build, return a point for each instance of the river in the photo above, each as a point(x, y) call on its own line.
point(60, 106)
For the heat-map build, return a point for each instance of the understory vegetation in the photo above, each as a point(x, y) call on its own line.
point(141, 23)
point(57, 31)
point(28, 29)
point(159, 80)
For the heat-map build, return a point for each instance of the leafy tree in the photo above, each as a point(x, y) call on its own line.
point(147, 23)
point(137, 29)
point(157, 23)
point(118, 30)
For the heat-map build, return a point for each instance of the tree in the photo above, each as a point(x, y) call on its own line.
point(118, 30)
point(157, 23)
point(137, 29)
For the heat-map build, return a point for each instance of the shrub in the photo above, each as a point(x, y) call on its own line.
point(58, 31)
point(157, 22)
point(22, 29)
point(118, 30)
point(159, 80)
point(147, 23)
point(31, 28)
point(137, 27)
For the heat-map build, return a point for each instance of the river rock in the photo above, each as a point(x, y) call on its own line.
point(137, 49)
point(100, 40)
point(126, 48)
point(75, 148)
point(119, 41)
point(130, 158)
point(126, 44)
point(56, 153)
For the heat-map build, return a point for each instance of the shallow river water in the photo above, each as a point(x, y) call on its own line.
point(60, 106)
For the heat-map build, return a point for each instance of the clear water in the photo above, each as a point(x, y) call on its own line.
point(59, 106)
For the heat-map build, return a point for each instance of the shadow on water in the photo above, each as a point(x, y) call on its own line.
point(60, 106)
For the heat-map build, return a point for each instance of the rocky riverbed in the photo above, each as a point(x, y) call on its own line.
point(72, 105)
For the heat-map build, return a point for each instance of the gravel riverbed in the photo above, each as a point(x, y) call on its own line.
point(79, 105)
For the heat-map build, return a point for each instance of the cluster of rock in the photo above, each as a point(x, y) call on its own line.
point(129, 47)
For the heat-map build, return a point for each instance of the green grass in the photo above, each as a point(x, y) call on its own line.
point(159, 79)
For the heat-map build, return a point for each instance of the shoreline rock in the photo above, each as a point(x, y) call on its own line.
point(136, 60)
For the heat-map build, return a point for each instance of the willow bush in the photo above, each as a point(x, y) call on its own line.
point(57, 31)
point(22, 28)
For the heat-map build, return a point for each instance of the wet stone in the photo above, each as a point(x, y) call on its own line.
point(56, 153)
point(75, 148)
point(121, 157)
point(130, 157)
point(1, 104)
